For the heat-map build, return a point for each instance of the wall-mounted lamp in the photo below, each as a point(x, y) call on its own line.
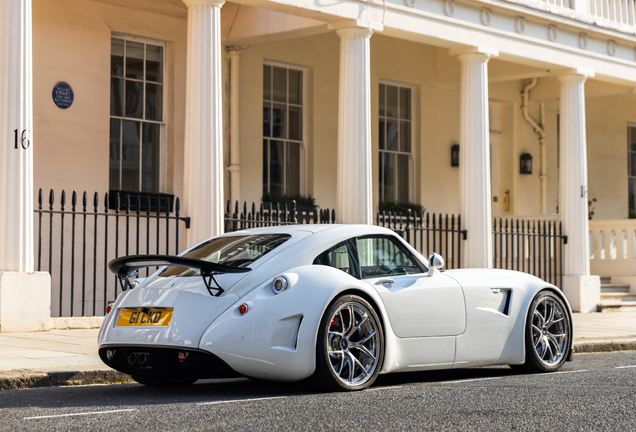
point(455, 155)
point(525, 163)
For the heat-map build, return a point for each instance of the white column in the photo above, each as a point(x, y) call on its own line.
point(16, 114)
point(204, 121)
point(474, 159)
point(25, 297)
point(235, 150)
point(355, 184)
point(582, 290)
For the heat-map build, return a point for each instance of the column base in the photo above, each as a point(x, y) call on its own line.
point(583, 292)
point(25, 302)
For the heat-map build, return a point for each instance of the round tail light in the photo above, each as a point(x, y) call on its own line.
point(109, 308)
point(243, 309)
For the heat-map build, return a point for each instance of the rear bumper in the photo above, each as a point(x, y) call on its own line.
point(164, 361)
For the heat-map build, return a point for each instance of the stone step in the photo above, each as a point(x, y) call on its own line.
point(614, 288)
point(605, 279)
point(618, 297)
point(629, 306)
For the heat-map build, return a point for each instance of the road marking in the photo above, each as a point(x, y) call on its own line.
point(383, 388)
point(79, 414)
point(241, 400)
point(470, 380)
point(563, 372)
point(623, 367)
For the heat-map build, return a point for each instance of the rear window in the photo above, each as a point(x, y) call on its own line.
point(235, 251)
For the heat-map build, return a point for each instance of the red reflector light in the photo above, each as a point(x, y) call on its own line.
point(243, 309)
point(182, 356)
point(109, 308)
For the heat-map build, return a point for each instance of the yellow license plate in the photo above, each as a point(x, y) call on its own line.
point(146, 317)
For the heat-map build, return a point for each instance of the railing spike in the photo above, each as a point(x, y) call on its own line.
point(51, 198)
point(85, 200)
point(63, 199)
point(106, 202)
point(96, 202)
point(40, 198)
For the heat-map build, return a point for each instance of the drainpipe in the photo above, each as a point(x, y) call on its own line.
point(542, 136)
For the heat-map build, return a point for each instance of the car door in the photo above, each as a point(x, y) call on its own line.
point(418, 305)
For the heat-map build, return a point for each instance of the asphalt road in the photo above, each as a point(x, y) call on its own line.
point(594, 392)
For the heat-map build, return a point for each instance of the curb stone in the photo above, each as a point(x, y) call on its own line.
point(602, 346)
point(26, 379)
point(15, 380)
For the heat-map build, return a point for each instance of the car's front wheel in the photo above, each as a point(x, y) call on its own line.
point(350, 345)
point(163, 381)
point(548, 334)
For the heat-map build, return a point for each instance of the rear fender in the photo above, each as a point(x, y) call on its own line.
point(276, 338)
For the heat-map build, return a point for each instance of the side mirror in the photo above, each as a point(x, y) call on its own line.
point(435, 262)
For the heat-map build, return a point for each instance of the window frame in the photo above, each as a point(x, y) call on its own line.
point(400, 245)
point(411, 154)
point(352, 251)
point(164, 110)
point(303, 143)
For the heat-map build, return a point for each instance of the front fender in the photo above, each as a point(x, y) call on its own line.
point(276, 338)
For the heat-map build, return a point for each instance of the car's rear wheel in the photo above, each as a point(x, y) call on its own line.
point(350, 345)
point(163, 381)
point(548, 334)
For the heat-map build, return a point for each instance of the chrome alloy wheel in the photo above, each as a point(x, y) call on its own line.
point(353, 344)
point(550, 331)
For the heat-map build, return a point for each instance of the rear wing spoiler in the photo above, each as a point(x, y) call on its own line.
point(126, 268)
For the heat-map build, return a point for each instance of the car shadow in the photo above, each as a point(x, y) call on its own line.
point(206, 391)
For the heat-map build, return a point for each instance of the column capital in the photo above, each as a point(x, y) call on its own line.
point(355, 27)
point(235, 50)
point(474, 52)
point(190, 3)
point(572, 74)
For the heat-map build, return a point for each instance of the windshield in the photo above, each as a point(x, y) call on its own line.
point(235, 251)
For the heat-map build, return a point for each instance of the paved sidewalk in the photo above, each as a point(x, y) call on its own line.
point(66, 357)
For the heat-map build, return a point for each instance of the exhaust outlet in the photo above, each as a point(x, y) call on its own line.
point(141, 358)
point(132, 358)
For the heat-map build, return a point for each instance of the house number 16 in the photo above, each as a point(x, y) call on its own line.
point(23, 139)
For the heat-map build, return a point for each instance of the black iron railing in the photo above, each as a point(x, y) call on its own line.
point(429, 233)
point(273, 215)
point(531, 246)
point(75, 244)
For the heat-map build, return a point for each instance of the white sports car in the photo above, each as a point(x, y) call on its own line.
point(339, 304)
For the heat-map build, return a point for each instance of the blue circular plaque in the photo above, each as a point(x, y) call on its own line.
point(62, 95)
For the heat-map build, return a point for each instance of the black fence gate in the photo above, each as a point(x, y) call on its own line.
point(75, 243)
point(274, 215)
point(531, 246)
point(429, 233)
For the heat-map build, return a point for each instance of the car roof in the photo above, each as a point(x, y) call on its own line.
point(351, 229)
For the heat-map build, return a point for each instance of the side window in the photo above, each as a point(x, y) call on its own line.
point(339, 257)
point(382, 256)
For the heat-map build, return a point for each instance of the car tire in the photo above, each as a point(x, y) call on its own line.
point(548, 334)
point(163, 381)
point(350, 345)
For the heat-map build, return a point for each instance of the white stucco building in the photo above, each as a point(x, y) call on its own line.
point(352, 102)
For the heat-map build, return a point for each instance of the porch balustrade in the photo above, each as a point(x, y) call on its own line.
point(613, 247)
point(622, 12)
point(618, 11)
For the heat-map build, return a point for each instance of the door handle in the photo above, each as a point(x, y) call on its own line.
point(388, 281)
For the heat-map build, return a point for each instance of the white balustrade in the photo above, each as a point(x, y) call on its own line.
point(613, 247)
point(619, 11)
